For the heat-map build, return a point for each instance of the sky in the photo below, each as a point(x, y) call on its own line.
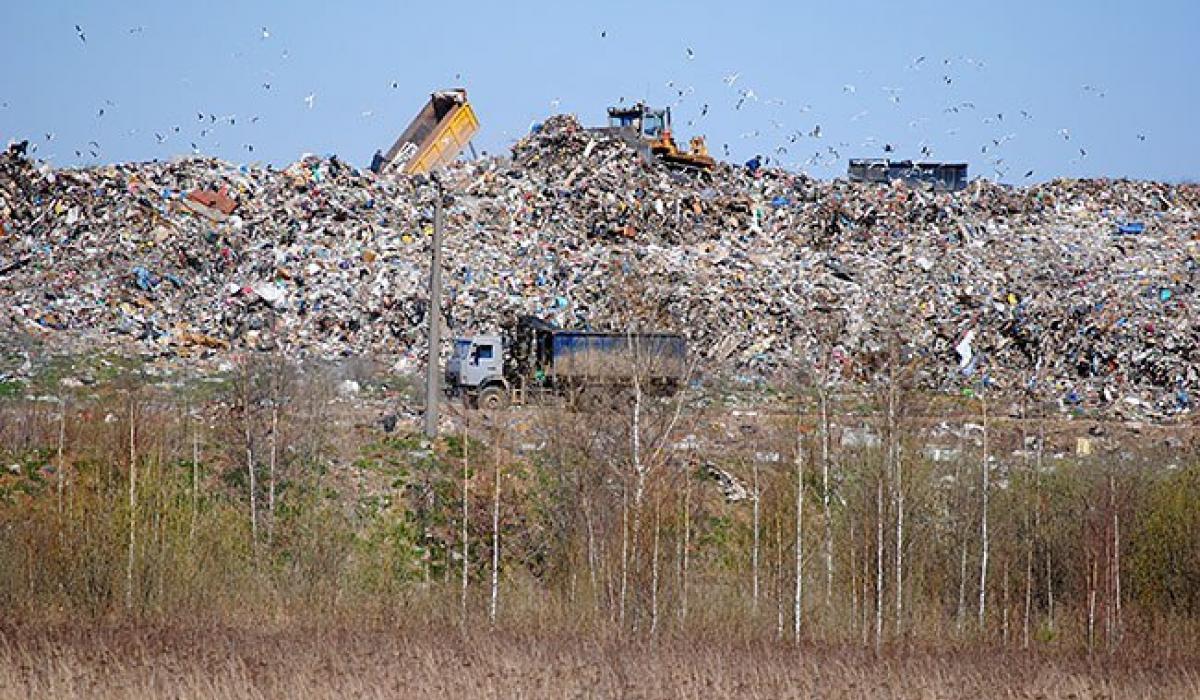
point(1022, 91)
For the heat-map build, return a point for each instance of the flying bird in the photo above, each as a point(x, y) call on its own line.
point(691, 54)
point(1028, 174)
point(731, 79)
point(312, 96)
point(80, 34)
point(266, 34)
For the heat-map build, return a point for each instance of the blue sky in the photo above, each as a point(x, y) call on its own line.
point(1119, 77)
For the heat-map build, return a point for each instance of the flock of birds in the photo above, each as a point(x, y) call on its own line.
point(790, 147)
point(830, 156)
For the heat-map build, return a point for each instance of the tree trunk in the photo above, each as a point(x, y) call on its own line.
point(799, 592)
point(687, 543)
point(624, 558)
point(960, 617)
point(62, 467)
point(271, 472)
point(1004, 615)
point(132, 507)
point(1091, 606)
point(250, 470)
point(195, 482)
point(591, 552)
point(779, 576)
point(754, 544)
point(983, 524)
point(1028, 593)
point(1117, 572)
point(898, 491)
point(654, 575)
point(495, 537)
point(466, 537)
point(879, 562)
point(828, 517)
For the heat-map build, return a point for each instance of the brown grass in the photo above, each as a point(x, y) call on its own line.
point(368, 661)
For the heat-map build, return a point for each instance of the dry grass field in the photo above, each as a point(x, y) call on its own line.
point(365, 662)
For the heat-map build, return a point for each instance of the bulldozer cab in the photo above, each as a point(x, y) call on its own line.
point(650, 123)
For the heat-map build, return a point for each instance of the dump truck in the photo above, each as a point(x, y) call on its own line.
point(436, 136)
point(534, 360)
point(649, 131)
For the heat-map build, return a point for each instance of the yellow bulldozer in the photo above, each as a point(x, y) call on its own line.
point(649, 130)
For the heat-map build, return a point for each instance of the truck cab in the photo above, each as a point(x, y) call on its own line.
point(476, 369)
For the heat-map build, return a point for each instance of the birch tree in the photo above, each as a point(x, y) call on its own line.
point(983, 520)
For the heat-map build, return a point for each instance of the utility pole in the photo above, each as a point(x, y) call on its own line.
point(435, 320)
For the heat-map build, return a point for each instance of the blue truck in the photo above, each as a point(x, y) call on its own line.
point(534, 360)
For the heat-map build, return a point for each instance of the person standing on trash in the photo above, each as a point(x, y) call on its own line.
point(754, 164)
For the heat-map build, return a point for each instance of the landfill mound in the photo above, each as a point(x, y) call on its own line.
point(992, 289)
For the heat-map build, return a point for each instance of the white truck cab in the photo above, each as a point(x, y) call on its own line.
point(476, 368)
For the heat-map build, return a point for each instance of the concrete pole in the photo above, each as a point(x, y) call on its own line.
point(432, 396)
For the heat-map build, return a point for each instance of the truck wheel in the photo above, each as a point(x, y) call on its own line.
point(492, 398)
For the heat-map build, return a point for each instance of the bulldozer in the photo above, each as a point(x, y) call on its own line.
point(649, 131)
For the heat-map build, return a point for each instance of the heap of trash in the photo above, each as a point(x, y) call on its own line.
point(1076, 291)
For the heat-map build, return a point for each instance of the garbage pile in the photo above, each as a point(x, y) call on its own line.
point(1048, 290)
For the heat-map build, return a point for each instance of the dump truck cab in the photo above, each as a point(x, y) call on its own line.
point(476, 369)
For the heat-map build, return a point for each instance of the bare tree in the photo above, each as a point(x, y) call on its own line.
point(247, 381)
point(983, 520)
point(495, 533)
point(274, 445)
point(1116, 564)
point(799, 592)
point(879, 561)
point(1029, 536)
point(624, 556)
point(466, 537)
point(687, 543)
point(755, 539)
point(779, 578)
point(195, 476)
point(62, 466)
point(654, 575)
point(1091, 603)
point(897, 488)
point(828, 517)
point(132, 504)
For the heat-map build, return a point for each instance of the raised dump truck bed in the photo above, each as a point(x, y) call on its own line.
point(439, 132)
